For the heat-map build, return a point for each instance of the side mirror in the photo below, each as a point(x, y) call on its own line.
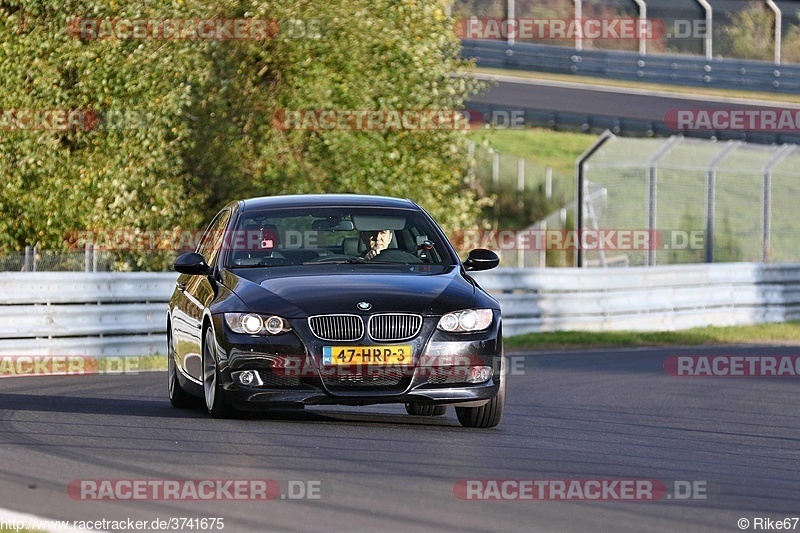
point(192, 263)
point(480, 259)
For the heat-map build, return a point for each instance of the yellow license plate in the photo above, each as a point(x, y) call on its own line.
point(366, 355)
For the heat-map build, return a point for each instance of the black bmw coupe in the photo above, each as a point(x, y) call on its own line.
point(334, 299)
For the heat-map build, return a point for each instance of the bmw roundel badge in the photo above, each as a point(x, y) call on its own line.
point(364, 306)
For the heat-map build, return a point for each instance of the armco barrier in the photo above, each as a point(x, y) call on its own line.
point(77, 313)
point(597, 123)
point(655, 68)
point(120, 314)
point(664, 69)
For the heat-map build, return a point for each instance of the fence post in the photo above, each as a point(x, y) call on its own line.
point(495, 169)
point(652, 194)
point(579, 20)
point(642, 27)
point(708, 42)
point(711, 186)
point(28, 266)
point(520, 183)
point(778, 30)
point(512, 24)
point(548, 183)
point(580, 186)
point(471, 169)
point(496, 184)
point(766, 196)
point(543, 248)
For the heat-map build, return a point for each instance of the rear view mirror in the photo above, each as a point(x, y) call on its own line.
point(332, 225)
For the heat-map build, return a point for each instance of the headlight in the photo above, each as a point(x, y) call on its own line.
point(253, 324)
point(467, 320)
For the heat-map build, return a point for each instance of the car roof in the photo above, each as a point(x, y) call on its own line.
point(325, 200)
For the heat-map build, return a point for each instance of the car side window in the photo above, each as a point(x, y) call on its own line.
point(211, 242)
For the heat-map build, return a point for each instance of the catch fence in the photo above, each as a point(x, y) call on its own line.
point(702, 201)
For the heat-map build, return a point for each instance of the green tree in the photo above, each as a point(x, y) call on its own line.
point(750, 34)
point(200, 114)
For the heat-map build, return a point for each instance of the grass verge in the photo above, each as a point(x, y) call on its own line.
point(783, 333)
point(124, 365)
point(556, 149)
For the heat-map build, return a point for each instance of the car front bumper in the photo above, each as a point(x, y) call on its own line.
point(289, 371)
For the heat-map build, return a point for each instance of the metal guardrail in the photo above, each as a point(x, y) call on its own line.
point(671, 70)
point(122, 314)
point(626, 127)
point(691, 71)
point(77, 313)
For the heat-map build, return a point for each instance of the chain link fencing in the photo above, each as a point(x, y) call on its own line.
point(694, 200)
point(35, 260)
point(528, 196)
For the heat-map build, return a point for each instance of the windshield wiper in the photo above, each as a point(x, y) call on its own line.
point(257, 265)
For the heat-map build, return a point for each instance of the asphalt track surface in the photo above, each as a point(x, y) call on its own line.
point(512, 93)
point(612, 415)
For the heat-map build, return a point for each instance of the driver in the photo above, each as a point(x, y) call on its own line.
point(376, 242)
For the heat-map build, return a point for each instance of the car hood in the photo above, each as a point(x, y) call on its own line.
point(295, 296)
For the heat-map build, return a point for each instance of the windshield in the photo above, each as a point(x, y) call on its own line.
point(310, 237)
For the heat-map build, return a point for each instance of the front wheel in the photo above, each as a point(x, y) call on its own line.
point(489, 414)
point(212, 386)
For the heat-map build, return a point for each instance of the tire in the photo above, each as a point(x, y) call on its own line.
point(416, 409)
point(178, 397)
point(212, 387)
point(489, 414)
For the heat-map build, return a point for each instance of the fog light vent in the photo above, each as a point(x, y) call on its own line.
point(248, 378)
point(479, 374)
